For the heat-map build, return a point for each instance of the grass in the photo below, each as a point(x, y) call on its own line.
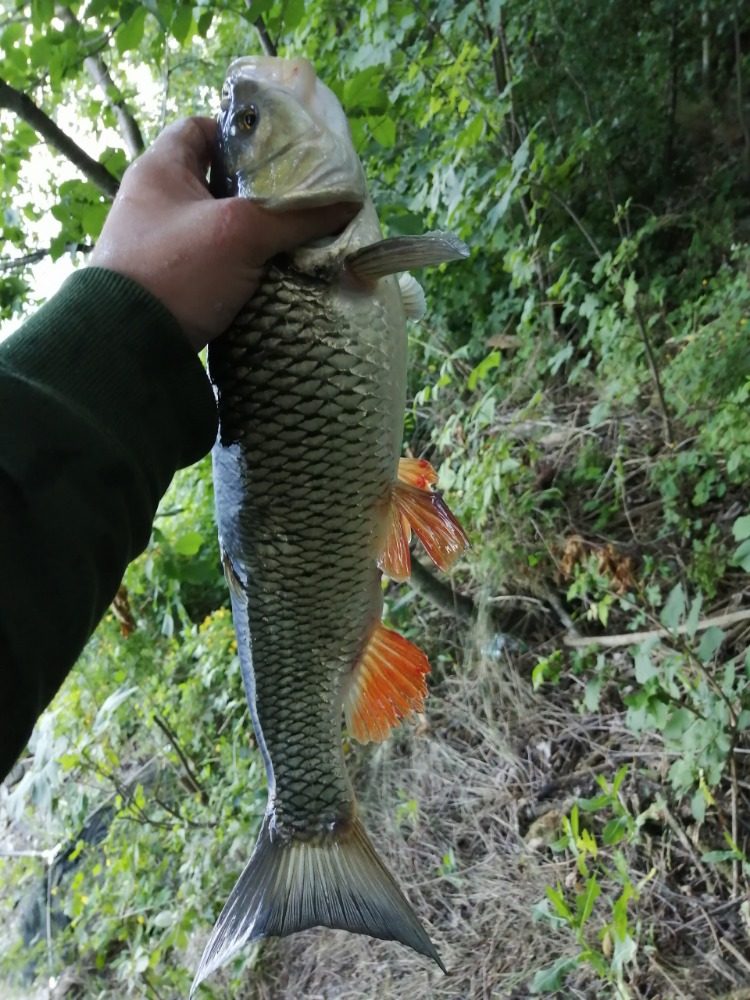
point(465, 807)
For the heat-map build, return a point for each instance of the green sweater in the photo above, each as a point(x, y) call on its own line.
point(102, 399)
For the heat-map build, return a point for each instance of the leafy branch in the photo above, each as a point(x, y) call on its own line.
point(100, 75)
point(34, 256)
point(22, 105)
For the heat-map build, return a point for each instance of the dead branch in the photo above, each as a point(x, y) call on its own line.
point(633, 638)
point(505, 618)
point(22, 105)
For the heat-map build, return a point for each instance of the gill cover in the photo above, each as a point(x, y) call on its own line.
point(284, 138)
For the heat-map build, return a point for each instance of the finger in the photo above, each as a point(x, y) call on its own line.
point(269, 233)
point(189, 142)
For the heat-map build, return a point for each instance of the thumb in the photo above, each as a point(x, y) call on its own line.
point(261, 234)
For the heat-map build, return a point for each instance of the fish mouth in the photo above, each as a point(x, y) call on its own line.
point(321, 185)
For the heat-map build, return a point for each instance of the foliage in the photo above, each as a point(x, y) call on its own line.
point(582, 383)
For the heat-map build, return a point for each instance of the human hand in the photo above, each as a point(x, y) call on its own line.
point(201, 257)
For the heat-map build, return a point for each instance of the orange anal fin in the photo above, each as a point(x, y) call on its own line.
point(388, 683)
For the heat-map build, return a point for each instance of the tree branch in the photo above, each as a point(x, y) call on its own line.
point(34, 256)
point(22, 105)
point(192, 778)
point(97, 70)
point(269, 46)
point(633, 638)
point(506, 620)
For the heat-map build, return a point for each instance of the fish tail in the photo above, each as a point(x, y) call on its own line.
point(336, 880)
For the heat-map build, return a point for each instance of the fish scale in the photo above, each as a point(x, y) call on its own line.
point(310, 513)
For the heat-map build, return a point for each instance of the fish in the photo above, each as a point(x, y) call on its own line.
point(314, 503)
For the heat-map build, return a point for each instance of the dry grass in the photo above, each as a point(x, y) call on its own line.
point(451, 808)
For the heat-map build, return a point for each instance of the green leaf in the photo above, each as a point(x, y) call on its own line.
point(629, 293)
point(680, 721)
point(557, 899)
point(364, 91)
point(593, 692)
point(42, 12)
point(188, 544)
point(205, 21)
point(585, 902)
point(644, 665)
point(292, 14)
point(39, 53)
point(741, 528)
point(674, 608)
point(741, 556)
point(130, 34)
point(92, 218)
point(553, 976)
point(383, 131)
point(257, 9)
point(482, 369)
point(710, 643)
point(164, 919)
point(182, 23)
point(615, 830)
point(713, 857)
point(12, 34)
point(693, 617)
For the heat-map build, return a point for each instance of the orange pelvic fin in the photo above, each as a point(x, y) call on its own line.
point(416, 506)
point(387, 684)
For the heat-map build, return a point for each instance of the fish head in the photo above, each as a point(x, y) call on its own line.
point(284, 138)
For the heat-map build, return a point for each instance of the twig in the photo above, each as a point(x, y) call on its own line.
point(735, 833)
point(505, 619)
point(97, 70)
point(632, 638)
point(196, 786)
point(269, 46)
point(441, 594)
point(494, 42)
point(34, 256)
point(22, 105)
point(734, 951)
point(651, 357)
point(683, 838)
point(563, 615)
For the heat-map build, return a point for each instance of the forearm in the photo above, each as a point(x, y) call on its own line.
point(101, 400)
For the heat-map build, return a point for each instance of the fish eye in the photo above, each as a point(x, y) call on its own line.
point(248, 118)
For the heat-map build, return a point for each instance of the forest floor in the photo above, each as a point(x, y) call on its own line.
point(467, 808)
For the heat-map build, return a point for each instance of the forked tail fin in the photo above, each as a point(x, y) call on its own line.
point(287, 886)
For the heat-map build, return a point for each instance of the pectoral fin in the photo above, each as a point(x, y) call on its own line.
point(412, 296)
point(401, 253)
point(386, 685)
point(416, 506)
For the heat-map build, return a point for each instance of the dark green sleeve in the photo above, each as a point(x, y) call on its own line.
point(101, 401)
